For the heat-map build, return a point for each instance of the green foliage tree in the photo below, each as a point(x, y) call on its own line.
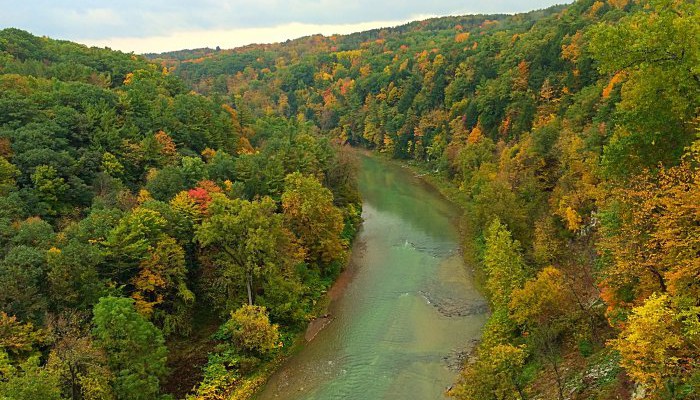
point(654, 54)
point(248, 236)
point(21, 274)
point(503, 263)
point(50, 187)
point(31, 381)
point(135, 348)
point(73, 277)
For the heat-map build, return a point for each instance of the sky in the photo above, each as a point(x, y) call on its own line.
point(145, 26)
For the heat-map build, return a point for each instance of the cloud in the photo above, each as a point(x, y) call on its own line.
point(230, 38)
point(99, 20)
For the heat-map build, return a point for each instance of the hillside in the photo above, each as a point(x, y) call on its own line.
point(143, 237)
point(571, 134)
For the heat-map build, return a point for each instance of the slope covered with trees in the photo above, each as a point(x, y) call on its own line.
point(571, 134)
point(138, 218)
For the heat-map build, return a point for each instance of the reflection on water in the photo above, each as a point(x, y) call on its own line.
point(409, 307)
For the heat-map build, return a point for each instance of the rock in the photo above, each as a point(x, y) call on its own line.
point(450, 307)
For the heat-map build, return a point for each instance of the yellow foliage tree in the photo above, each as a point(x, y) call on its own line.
point(651, 346)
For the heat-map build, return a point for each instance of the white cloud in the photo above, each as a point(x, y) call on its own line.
point(161, 25)
point(230, 38)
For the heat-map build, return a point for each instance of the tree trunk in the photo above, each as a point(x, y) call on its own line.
point(75, 390)
point(558, 377)
point(521, 393)
point(659, 277)
point(249, 286)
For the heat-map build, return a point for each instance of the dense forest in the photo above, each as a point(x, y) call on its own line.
point(144, 226)
point(572, 136)
point(177, 218)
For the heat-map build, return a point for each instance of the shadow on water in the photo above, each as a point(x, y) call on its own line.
point(407, 309)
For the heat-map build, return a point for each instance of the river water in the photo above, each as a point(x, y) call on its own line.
point(405, 309)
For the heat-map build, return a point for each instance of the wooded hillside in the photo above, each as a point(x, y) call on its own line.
point(145, 228)
point(572, 135)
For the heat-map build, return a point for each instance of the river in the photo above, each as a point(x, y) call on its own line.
point(404, 310)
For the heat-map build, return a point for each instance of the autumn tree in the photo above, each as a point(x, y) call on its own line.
point(657, 350)
point(80, 363)
point(495, 375)
point(310, 214)
point(160, 287)
point(8, 174)
point(543, 306)
point(541, 300)
point(153, 264)
point(651, 235)
point(652, 248)
point(251, 330)
point(18, 340)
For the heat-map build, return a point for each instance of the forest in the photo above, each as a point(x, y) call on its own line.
point(138, 216)
point(191, 208)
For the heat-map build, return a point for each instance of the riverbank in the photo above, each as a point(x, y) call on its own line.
point(251, 386)
point(403, 313)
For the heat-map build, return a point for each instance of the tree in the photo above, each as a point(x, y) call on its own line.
point(81, 365)
point(503, 263)
point(541, 300)
point(135, 348)
point(31, 381)
point(651, 235)
point(74, 282)
point(653, 349)
point(132, 240)
point(17, 339)
point(251, 330)
point(50, 187)
point(656, 49)
point(160, 287)
point(495, 375)
point(310, 214)
point(248, 236)
point(21, 276)
point(542, 306)
point(8, 174)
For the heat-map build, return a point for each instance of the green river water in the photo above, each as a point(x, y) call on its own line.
point(405, 309)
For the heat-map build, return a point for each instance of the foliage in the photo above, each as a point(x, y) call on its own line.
point(135, 348)
point(31, 381)
point(503, 264)
point(570, 132)
point(498, 372)
point(309, 212)
point(251, 331)
point(654, 349)
point(249, 236)
point(110, 169)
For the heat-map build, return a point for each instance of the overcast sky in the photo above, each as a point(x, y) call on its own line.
point(162, 25)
